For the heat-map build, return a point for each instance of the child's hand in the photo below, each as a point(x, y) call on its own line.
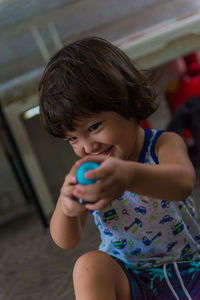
point(69, 204)
point(111, 184)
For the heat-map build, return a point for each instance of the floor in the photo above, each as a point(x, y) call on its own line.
point(33, 266)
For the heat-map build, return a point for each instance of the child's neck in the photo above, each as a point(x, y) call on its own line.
point(139, 143)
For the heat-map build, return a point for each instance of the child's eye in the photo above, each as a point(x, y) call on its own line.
point(72, 139)
point(94, 126)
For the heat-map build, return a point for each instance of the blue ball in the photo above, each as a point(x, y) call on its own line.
point(80, 175)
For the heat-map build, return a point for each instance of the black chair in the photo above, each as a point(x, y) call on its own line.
point(188, 117)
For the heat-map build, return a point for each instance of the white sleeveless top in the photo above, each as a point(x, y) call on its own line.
point(146, 232)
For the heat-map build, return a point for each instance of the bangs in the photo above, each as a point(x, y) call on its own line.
point(71, 120)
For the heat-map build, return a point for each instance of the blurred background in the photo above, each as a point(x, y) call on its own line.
point(159, 35)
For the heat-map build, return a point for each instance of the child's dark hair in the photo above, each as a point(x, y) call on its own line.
point(89, 76)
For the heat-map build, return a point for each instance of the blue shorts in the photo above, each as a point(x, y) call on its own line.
point(168, 282)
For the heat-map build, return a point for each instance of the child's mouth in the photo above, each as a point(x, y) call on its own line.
point(108, 152)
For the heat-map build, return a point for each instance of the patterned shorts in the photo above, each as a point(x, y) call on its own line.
point(168, 282)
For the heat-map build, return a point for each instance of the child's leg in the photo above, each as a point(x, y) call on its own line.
point(97, 276)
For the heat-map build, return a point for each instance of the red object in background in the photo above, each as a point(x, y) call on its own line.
point(145, 124)
point(186, 86)
point(179, 91)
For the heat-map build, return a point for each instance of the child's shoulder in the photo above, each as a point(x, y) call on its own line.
point(170, 143)
point(162, 138)
point(169, 137)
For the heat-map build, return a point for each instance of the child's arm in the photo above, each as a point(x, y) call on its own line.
point(172, 179)
point(69, 217)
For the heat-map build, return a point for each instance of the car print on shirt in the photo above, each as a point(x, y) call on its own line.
point(136, 252)
point(107, 232)
point(189, 258)
point(186, 250)
point(165, 204)
point(166, 219)
point(176, 229)
point(141, 210)
point(110, 216)
point(120, 244)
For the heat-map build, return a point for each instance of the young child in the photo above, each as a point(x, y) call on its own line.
point(93, 96)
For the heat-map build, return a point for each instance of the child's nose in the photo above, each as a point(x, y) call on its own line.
point(91, 147)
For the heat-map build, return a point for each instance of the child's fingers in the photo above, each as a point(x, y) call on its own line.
point(67, 190)
point(70, 179)
point(69, 201)
point(93, 192)
point(97, 173)
point(71, 176)
point(75, 205)
point(104, 171)
point(99, 204)
point(72, 208)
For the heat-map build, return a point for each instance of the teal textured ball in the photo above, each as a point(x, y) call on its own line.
point(80, 175)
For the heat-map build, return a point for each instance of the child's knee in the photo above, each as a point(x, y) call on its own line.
point(98, 269)
point(89, 263)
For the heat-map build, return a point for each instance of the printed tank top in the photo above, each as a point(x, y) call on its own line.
point(146, 232)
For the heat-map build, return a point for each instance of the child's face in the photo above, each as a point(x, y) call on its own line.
point(107, 133)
